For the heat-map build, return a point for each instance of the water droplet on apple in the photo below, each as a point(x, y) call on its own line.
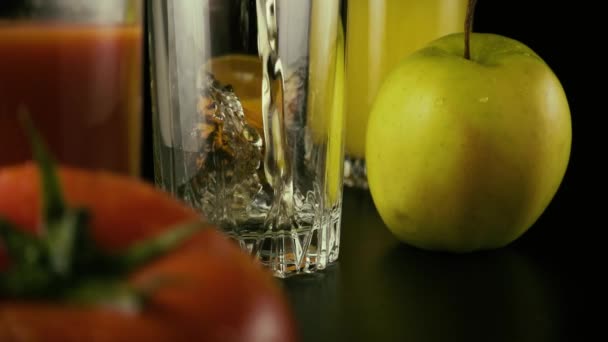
point(483, 99)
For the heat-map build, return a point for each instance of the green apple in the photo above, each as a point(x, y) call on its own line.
point(466, 154)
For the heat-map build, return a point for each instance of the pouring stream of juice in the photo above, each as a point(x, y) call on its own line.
point(277, 165)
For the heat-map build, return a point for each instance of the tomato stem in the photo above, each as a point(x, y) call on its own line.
point(468, 28)
point(64, 260)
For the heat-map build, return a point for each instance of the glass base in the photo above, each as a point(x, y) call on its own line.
point(355, 173)
point(302, 250)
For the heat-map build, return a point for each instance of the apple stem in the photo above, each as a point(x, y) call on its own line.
point(468, 27)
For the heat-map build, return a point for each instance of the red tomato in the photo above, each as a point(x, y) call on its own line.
point(216, 292)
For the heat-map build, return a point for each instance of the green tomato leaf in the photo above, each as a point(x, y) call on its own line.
point(27, 281)
point(154, 247)
point(23, 248)
point(62, 238)
point(113, 293)
point(52, 198)
point(27, 275)
point(109, 293)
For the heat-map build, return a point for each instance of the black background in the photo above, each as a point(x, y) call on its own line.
point(560, 33)
point(566, 238)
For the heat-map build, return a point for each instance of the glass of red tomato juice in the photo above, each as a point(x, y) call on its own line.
point(75, 67)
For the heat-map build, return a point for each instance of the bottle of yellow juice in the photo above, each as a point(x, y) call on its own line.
point(379, 34)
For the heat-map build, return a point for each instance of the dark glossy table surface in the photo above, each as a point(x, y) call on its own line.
point(383, 290)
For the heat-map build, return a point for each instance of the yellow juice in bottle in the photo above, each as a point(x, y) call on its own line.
point(379, 34)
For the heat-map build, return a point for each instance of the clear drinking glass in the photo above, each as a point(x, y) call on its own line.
point(248, 121)
point(379, 34)
point(74, 66)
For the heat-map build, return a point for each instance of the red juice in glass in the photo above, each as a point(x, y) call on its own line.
point(80, 84)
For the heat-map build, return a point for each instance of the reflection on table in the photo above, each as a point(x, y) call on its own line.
point(382, 290)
